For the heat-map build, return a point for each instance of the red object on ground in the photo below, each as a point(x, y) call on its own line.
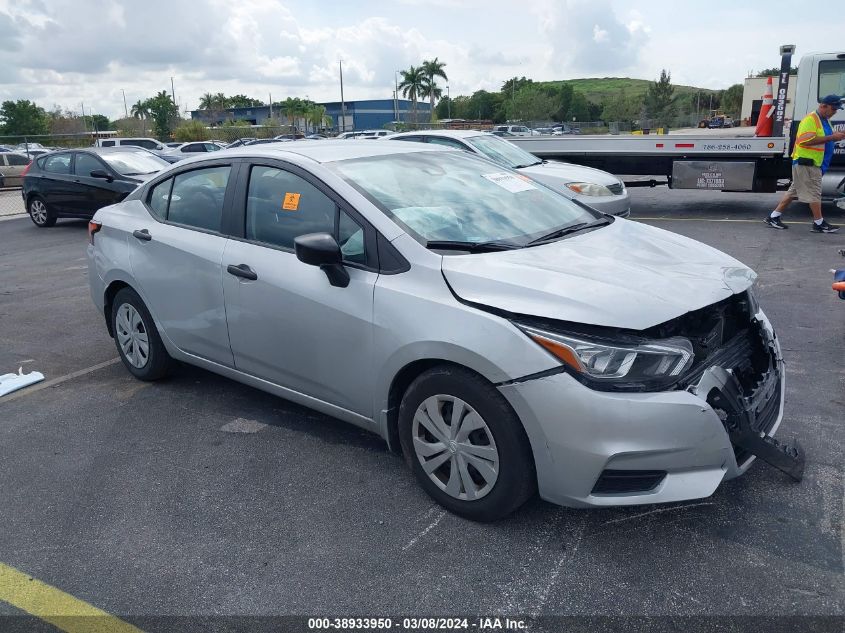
point(766, 119)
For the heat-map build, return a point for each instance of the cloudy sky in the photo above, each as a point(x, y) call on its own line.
point(70, 51)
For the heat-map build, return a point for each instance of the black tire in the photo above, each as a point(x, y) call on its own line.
point(158, 362)
point(32, 207)
point(517, 479)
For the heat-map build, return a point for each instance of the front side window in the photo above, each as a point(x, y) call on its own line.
point(85, 164)
point(455, 196)
point(831, 77)
point(197, 198)
point(58, 164)
point(281, 206)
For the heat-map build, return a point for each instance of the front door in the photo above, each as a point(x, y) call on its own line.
point(289, 325)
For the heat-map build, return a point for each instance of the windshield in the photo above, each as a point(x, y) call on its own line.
point(502, 152)
point(456, 196)
point(134, 163)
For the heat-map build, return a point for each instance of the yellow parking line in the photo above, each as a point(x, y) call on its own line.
point(710, 220)
point(55, 606)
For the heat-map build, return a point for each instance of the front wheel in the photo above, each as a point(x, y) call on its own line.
point(138, 342)
point(40, 213)
point(465, 445)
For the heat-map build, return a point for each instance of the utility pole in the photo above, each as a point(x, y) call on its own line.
point(396, 93)
point(125, 109)
point(271, 106)
point(84, 124)
point(448, 103)
point(342, 102)
point(172, 90)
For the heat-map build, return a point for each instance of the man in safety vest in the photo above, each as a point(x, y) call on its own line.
point(810, 159)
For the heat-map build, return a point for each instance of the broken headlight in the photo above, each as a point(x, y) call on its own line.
point(624, 365)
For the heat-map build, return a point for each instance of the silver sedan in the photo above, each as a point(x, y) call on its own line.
point(504, 339)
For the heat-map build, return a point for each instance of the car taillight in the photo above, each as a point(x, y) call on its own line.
point(26, 169)
point(93, 227)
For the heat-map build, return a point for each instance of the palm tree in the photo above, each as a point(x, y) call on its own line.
point(207, 101)
point(431, 69)
point(411, 86)
point(141, 110)
point(318, 118)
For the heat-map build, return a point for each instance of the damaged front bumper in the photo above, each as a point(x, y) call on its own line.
point(596, 448)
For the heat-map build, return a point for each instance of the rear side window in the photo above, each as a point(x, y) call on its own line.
point(159, 199)
point(16, 160)
point(197, 197)
point(58, 164)
point(448, 142)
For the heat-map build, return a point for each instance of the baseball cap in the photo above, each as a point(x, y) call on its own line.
point(832, 100)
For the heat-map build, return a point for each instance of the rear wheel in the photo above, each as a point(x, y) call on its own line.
point(40, 213)
point(465, 444)
point(138, 342)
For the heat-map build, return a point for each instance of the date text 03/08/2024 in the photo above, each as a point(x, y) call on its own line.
point(412, 624)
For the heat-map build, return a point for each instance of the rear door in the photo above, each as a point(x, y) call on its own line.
point(176, 254)
point(14, 167)
point(288, 324)
point(55, 182)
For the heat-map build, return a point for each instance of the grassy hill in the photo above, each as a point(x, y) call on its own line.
point(600, 89)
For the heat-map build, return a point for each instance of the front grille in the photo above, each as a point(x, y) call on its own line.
point(616, 189)
point(627, 481)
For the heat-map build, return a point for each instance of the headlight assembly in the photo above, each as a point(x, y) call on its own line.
point(589, 189)
point(609, 365)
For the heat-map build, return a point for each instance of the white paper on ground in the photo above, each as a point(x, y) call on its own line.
point(13, 382)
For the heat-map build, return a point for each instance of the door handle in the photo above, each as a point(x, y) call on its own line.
point(143, 234)
point(242, 270)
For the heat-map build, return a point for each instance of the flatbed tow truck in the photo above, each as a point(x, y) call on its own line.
point(715, 160)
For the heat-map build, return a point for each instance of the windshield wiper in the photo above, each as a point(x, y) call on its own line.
point(539, 162)
point(567, 230)
point(472, 247)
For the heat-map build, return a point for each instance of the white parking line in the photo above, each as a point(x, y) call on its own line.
point(57, 381)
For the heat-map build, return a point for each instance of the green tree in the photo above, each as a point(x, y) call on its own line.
point(658, 99)
point(242, 101)
point(318, 118)
point(530, 104)
point(731, 100)
point(141, 111)
point(431, 70)
point(774, 72)
point(411, 86)
point(294, 108)
point(23, 117)
point(622, 108)
point(164, 114)
point(96, 122)
point(193, 130)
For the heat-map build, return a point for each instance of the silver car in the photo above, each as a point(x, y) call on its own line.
point(593, 187)
point(504, 339)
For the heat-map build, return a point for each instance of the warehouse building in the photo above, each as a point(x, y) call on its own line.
point(364, 114)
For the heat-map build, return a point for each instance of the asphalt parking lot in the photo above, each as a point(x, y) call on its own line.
point(202, 497)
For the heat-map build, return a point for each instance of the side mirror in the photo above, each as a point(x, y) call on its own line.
point(321, 249)
point(100, 173)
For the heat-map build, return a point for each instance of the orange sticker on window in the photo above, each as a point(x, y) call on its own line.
point(291, 202)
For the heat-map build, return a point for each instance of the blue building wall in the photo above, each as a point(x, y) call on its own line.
point(366, 114)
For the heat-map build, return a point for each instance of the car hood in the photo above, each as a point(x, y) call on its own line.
point(625, 275)
point(554, 171)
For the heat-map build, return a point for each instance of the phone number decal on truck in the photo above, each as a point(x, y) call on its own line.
point(727, 147)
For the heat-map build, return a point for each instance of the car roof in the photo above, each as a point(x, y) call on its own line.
point(446, 133)
point(327, 151)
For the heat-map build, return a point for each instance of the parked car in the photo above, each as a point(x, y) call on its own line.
point(173, 144)
point(560, 130)
point(348, 135)
point(317, 137)
point(186, 150)
point(373, 134)
point(146, 143)
point(25, 147)
point(499, 133)
point(265, 141)
point(290, 137)
point(516, 130)
point(6, 148)
point(12, 166)
point(241, 142)
point(502, 337)
point(75, 183)
point(598, 189)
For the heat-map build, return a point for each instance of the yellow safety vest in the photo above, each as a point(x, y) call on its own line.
point(809, 128)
